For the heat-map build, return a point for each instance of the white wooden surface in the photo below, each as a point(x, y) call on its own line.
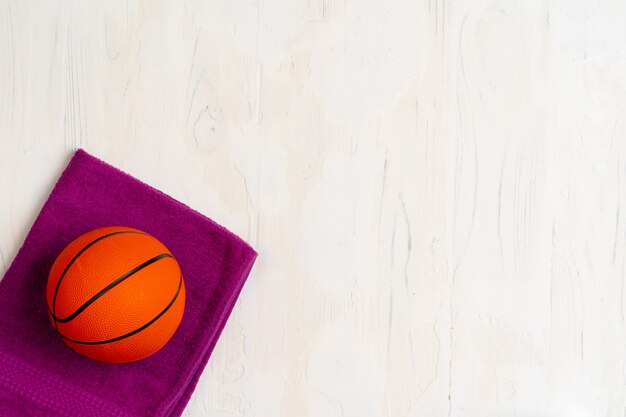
point(436, 188)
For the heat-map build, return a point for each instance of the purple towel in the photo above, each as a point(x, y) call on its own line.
point(40, 375)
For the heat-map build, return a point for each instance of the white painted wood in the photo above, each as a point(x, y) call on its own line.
point(435, 188)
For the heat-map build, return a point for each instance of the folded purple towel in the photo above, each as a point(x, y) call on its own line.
point(40, 375)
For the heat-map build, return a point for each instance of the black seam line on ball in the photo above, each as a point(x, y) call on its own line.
point(56, 290)
point(112, 285)
point(134, 332)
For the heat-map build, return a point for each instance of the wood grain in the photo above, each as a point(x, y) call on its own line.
point(435, 187)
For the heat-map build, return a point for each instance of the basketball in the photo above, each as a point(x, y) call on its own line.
point(115, 294)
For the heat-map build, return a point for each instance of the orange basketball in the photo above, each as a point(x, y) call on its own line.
point(116, 294)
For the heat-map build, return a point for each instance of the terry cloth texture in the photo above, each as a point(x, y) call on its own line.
point(40, 375)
